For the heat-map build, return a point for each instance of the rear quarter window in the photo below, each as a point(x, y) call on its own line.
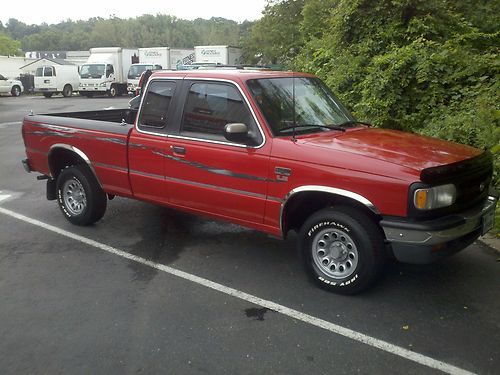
point(156, 105)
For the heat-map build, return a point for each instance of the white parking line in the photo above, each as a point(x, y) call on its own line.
point(4, 196)
point(294, 314)
point(5, 124)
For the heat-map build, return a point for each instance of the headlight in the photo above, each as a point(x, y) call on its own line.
point(435, 197)
point(103, 84)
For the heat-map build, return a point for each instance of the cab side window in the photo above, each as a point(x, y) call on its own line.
point(48, 71)
point(156, 104)
point(210, 107)
point(109, 70)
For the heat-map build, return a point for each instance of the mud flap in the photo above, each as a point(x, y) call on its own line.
point(51, 189)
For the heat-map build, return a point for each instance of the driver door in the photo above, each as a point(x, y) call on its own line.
point(208, 173)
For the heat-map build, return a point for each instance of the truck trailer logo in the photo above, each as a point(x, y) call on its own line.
point(210, 52)
point(152, 54)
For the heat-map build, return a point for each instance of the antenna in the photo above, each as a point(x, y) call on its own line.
point(294, 118)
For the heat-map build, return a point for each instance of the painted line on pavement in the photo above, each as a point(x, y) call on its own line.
point(5, 124)
point(294, 314)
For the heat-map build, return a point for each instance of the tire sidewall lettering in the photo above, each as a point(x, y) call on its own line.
point(323, 224)
point(351, 280)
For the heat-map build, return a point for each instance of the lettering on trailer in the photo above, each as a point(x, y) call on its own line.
point(210, 52)
point(189, 59)
point(153, 54)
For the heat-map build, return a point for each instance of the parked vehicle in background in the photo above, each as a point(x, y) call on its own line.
point(181, 57)
point(277, 152)
point(225, 55)
point(13, 87)
point(105, 71)
point(54, 79)
point(154, 58)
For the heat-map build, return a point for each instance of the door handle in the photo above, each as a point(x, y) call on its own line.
point(179, 150)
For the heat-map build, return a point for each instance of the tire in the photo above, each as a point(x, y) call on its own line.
point(342, 249)
point(15, 91)
point(112, 91)
point(67, 91)
point(48, 94)
point(79, 195)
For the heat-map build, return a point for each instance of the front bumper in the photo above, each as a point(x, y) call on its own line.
point(428, 241)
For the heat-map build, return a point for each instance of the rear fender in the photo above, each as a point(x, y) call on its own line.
point(62, 156)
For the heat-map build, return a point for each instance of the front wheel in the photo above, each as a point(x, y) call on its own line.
point(343, 249)
point(112, 91)
point(79, 195)
point(16, 91)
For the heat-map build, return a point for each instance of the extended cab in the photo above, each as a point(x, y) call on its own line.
point(274, 151)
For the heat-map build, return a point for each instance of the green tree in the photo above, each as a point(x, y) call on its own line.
point(276, 37)
point(8, 46)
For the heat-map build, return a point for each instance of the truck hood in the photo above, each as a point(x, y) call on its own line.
point(405, 149)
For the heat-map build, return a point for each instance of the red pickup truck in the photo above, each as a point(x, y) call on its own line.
point(274, 151)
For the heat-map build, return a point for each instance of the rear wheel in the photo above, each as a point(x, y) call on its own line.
point(343, 249)
point(79, 195)
point(15, 91)
point(67, 91)
point(48, 94)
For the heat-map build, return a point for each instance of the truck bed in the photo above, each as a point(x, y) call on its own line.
point(107, 115)
point(99, 137)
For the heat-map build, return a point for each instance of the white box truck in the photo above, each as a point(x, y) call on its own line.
point(105, 71)
point(56, 78)
point(220, 55)
point(153, 58)
point(180, 57)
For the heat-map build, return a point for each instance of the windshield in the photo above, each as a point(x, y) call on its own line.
point(136, 70)
point(92, 70)
point(303, 103)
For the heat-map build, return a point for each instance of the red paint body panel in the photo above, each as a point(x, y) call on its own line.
point(240, 184)
point(226, 180)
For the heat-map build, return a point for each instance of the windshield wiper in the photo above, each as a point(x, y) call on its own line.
point(326, 127)
point(353, 122)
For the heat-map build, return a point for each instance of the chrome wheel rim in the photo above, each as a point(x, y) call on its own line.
point(335, 253)
point(74, 196)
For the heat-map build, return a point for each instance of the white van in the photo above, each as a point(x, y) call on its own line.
point(54, 79)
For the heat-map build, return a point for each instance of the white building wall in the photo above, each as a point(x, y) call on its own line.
point(10, 65)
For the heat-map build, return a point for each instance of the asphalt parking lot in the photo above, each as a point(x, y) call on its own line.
point(151, 290)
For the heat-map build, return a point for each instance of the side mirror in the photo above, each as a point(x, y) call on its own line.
point(236, 132)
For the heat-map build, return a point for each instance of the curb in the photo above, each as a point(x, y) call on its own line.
point(491, 241)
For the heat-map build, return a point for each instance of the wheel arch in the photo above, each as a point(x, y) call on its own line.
point(303, 201)
point(63, 155)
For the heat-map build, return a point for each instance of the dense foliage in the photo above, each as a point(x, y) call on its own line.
point(427, 66)
point(8, 46)
point(143, 31)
